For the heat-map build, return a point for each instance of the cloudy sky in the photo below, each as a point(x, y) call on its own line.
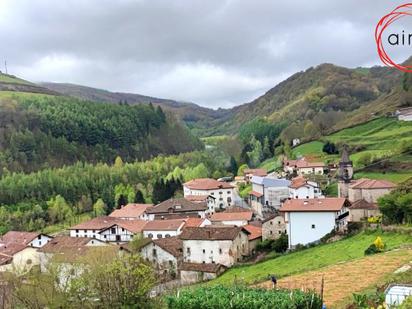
point(215, 53)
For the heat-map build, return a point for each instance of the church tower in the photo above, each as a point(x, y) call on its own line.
point(345, 173)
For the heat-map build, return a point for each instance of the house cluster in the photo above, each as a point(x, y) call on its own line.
point(198, 236)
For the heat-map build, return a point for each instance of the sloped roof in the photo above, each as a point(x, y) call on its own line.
point(164, 225)
point(255, 193)
point(202, 267)
point(130, 211)
point(194, 222)
point(23, 238)
point(197, 198)
point(134, 226)
point(232, 216)
point(63, 244)
point(173, 245)
point(362, 204)
point(177, 205)
point(207, 184)
point(365, 183)
point(313, 205)
point(8, 250)
point(298, 182)
point(255, 231)
point(256, 171)
point(211, 233)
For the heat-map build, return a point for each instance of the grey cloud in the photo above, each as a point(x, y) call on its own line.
point(214, 53)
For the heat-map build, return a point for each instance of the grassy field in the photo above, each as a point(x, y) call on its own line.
point(270, 164)
point(9, 79)
point(396, 177)
point(337, 278)
point(311, 259)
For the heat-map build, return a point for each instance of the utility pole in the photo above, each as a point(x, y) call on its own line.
point(5, 65)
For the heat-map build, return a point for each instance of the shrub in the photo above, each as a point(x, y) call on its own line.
point(376, 219)
point(281, 244)
point(330, 148)
point(377, 247)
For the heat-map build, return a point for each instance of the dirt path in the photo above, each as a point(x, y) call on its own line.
point(343, 279)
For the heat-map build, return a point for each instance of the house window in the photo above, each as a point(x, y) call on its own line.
point(220, 192)
point(204, 251)
point(271, 232)
point(113, 230)
point(229, 199)
point(167, 235)
point(313, 226)
point(220, 250)
point(228, 192)
point(213, 193)
point(159, 235)
point(188, 250)
point(39, 237)
point(77, 231)
point(122, 229)
point(170, 263)
point(105, 236)
point(204, 262)
point(279, 232)
point(154, 252)
point(279, 222)
point(221, 199)
point(271, 223)
point(150, 235)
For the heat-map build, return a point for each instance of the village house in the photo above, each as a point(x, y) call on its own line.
point(255, 237)
point(267, 193)
point(194, 272)
point(176, 209)
point(303, 167)
point(234, 218)
point(165, 254)
point(108, 229)
point(132, 212)
point(209, 200)
point(224, 245)
point(222, 191)
point(163, 228)
point(404, 114)
point(249, 173)
point(273, 226)
point(369, 189)
point(303, 189)
point(362, 210)
point(18, 250)
point(308, 220)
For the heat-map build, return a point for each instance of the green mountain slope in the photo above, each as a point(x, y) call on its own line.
point(384, 145)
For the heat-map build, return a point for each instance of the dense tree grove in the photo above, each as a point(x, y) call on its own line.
point(396, 207)
point(44, 131)
point(30, 201)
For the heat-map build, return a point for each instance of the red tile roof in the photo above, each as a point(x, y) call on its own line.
point(61, 244)
point(365, 183)
point(313, 205)
point(298, 182)
point(256, 172)
point(164, 225)
point(130, 211)
point(232, 216)
point(255, 231)
point(302, 163)
point(197, 198)
point(257, 194)
point(17, 237)
point(134, 226)
point(194, 222)
point(207, 184)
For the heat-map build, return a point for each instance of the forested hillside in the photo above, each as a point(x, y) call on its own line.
point(196, 117)
point(39, 131)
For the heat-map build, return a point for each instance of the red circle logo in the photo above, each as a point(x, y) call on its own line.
point(397, 13)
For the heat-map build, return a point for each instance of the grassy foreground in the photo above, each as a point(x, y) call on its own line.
point(311, 259)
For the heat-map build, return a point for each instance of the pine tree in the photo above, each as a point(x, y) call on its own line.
point(233, 166)
point(122, 201)
point(139, 198)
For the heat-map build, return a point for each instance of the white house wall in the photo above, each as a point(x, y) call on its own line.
point(224, 197)
point(300, 230)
